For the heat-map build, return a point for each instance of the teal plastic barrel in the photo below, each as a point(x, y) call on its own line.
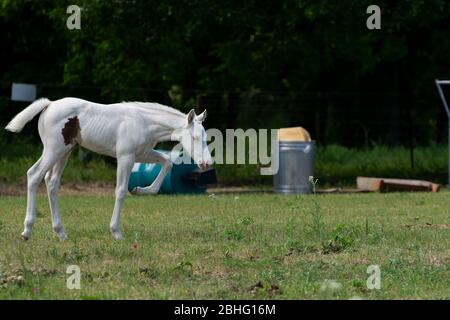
point(143, 174)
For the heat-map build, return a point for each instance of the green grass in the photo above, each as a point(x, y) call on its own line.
point(252, 246)
point(339, 166)
point(335, 166)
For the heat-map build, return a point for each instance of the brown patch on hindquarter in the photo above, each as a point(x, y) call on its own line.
point(71, 130)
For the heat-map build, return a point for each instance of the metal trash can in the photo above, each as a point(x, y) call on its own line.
point(296, 165)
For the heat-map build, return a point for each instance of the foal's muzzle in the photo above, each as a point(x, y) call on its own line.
point(204, 164)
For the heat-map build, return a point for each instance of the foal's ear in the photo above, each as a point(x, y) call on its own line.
point(190, 117)
point(201, 117)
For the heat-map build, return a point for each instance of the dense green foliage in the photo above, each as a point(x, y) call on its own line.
point(253, 63)
point(221, 45)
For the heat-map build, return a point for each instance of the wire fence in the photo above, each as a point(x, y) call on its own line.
point(352, 119)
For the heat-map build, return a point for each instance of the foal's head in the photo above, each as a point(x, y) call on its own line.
point(193, 139)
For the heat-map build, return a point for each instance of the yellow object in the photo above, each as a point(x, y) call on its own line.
point(293, 134)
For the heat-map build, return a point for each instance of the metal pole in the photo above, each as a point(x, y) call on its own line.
point(444, 101)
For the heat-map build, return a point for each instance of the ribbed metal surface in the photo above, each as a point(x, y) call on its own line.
point(296, 165)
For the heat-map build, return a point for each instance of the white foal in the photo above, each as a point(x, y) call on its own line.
point(127, 131)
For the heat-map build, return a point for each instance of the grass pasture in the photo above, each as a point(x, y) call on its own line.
point(227, 246)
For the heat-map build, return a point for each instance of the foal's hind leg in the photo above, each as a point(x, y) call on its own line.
point(53, 181)
point(34, 177)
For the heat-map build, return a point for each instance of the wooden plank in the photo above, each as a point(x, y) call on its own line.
point(391, 186)
point(395, 185)
point(368, 184)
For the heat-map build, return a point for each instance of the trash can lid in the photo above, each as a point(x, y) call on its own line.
point(293, 134)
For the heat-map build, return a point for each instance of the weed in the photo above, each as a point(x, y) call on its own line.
point(236, 233)
point(233, 235)
point(291, 227)
point(316, 226)
point(245, 221)
point(342, 237)
point(184, 268)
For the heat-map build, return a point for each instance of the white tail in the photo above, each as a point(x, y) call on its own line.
point(20, 120)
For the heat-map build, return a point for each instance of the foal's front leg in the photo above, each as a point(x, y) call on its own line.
point(124, 166)
point(155, 157)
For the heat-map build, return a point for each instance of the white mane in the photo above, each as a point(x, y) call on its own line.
point(156, 108)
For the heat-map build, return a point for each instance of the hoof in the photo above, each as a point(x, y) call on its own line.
point(117, 233)
point(143, 191)
point(62, 237)
point(24, 238)
point(119, 238)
